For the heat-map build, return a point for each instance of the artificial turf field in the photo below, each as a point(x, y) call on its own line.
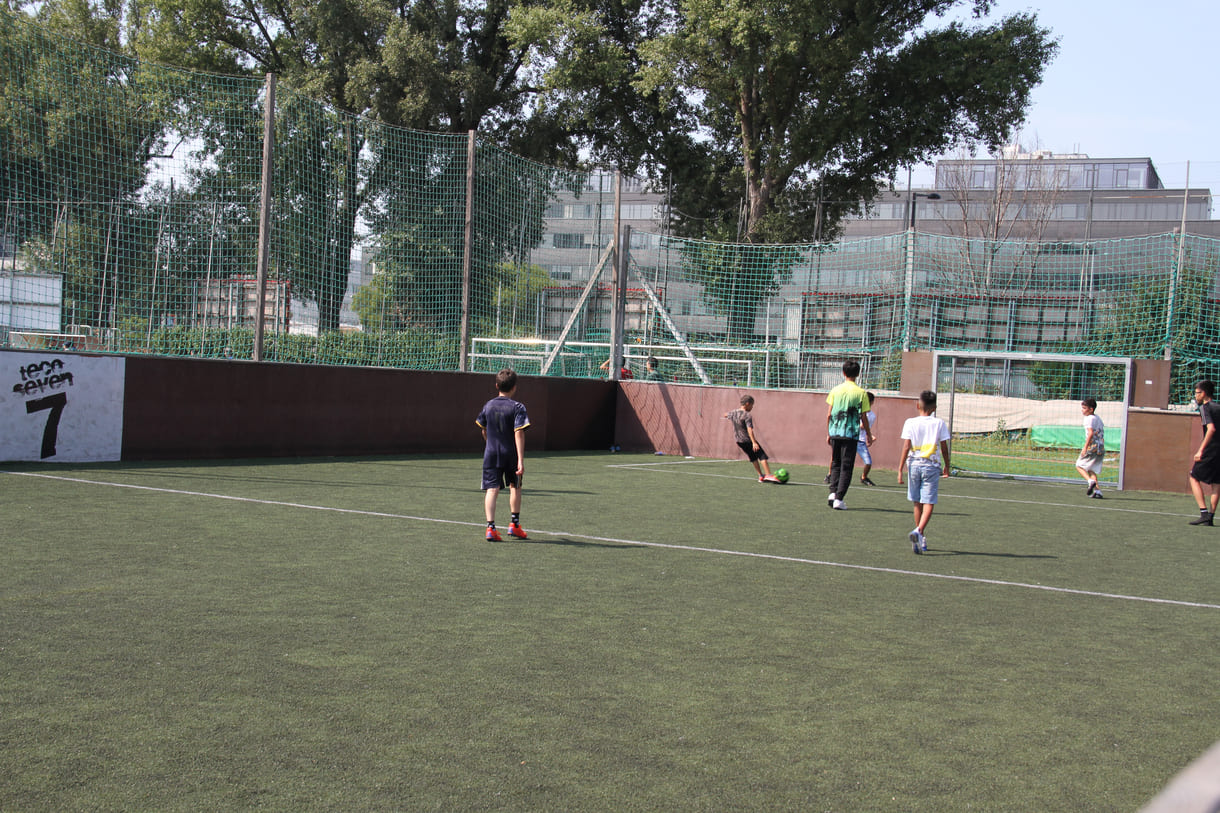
point(335, 634)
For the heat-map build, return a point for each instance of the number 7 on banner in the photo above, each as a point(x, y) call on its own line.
point(54, 403)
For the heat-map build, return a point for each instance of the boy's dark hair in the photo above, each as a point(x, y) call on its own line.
point(851, 368)
point(1090, 402)
point(871, 398)
point(652, 361)
point(927, 400)
point(747, 399)
point(1207, 387)
point(506, 379)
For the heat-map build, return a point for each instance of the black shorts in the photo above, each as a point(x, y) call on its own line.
point(1207, 470)
point(496, 477)
point(748, 447)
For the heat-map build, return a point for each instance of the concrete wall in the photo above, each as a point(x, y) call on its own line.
point(1160, 449)
point(194, 408)
point(686, 419)
point(175, 408)
point(678, 419)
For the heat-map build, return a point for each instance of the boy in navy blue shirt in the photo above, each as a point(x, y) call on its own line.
point(503, 422)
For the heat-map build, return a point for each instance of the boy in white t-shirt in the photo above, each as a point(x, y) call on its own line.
point(921, 437)
point(1093, 453)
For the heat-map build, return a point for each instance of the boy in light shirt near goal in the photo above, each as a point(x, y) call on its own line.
point(922, 438)
point(1093, 453)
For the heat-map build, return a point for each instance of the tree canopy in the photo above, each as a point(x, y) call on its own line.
point(769, 121)
point(820, 100)
point(794, 112)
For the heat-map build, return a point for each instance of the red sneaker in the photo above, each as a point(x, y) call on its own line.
point(493, 535)
point(517, 531)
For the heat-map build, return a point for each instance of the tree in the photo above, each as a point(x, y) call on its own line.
point(737, 278)
point(447, 67)
point(821, 100)
point(1008, 214)
point(79, 126)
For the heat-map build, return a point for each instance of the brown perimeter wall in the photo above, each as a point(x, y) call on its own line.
point(177, 408)
point(196, 408)
point(680, 419)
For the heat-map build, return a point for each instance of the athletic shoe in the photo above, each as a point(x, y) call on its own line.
point(1097, 495)
point(864, 481)
point(830, 500)
point(493, 535)
point(771, 479)
point(517, 531)
point(1089, 491)
point(762, 479)
point(839, 505)
point(826, 480)
point(1203, 519)
point(917, 544)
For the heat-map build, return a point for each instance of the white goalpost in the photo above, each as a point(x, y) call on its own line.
point(1018, 415)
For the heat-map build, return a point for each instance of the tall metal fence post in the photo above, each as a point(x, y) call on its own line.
point(620, 280)
point(620, 296)
point(1177, 271)
point(467, 255)
point(908, 288)
point(264, 215)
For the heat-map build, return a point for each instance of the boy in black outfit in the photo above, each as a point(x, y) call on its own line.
point(503, 422)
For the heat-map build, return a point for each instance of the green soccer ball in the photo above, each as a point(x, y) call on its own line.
point(781, 475)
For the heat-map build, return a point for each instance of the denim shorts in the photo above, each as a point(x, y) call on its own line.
point(862, 453)
point(923, 482)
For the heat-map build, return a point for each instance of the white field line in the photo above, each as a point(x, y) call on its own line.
point(636, 542)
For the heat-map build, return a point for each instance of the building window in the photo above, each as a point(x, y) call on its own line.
point(568, 240)
point(639, 211)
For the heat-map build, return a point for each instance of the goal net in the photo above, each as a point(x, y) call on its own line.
point(1018, 414)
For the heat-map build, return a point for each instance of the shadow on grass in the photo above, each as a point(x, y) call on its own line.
point(942, 552)
point(576, 543)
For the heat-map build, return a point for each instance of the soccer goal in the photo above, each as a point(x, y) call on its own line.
point(1018, 414)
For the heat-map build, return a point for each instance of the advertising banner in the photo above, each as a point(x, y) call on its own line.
point(60, 407)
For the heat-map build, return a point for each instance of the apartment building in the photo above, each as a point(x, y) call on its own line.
point(1041, 196)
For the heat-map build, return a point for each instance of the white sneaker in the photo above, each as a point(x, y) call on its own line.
point(838, 505)
point(917, 543)
point(830, 500)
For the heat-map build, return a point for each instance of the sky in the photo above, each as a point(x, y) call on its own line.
point(1131, 80)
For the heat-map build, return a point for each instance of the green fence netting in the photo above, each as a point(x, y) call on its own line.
point(132, 196)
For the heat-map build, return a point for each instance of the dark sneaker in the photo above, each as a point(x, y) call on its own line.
point(1089, 491)
point(517, 531)
point(1097, 495)
point(826, 480)
point(1203, 519)
point(864, 481)
point(493, 535)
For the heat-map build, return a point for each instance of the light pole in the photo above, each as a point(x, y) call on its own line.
point(913, 197)
point(910, 275)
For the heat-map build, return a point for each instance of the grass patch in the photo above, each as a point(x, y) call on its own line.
point(673, 636)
